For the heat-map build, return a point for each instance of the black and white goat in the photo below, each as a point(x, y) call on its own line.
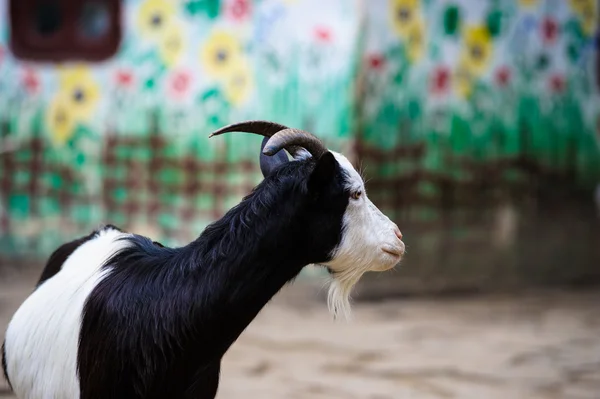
point(116, 315)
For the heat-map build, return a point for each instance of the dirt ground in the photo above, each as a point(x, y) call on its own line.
point(530, 346)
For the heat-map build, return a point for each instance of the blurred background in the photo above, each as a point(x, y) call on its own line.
point(476, 123)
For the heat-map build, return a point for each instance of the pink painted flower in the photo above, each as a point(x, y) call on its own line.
point(502, 76)
point(323, 34)
point(31, 81)
point(124, 78)
point(239, 9)
point(440, 80)
point(549, 28)
point(557, 83)
point(376, 61)
point(179, 84)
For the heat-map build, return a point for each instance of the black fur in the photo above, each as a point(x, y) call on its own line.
point(158, 325)
point(4, 366)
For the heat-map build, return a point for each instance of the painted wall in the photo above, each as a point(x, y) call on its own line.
point(429, 93)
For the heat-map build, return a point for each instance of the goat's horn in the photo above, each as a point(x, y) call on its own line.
point(262, 128)
point(295, 137)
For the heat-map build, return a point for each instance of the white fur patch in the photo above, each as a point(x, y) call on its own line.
point(367, 233)
point(42, 337)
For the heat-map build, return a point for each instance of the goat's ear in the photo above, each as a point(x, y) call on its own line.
point(269, 163)
point(323, 173)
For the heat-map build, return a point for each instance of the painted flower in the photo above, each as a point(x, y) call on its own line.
point(477, 49)
point(220, 54)
point(239, 84)
point(154, 16)
point(323, 34)
point(549, 30)
point(557, 83)
point(81, 91)
point(1, 54)
point(587, 10)
point(376, 61)
point(124, 78)
point(502, 76)
point(462, 81)
point(179, 84)
point(239, 9)
point(404, 13)
point(171, 45)
point(31, 81)
point(528, 3)
point(440, 80)
point(415, 40)
point(60, 120)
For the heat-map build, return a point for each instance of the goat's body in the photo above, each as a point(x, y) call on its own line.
point(46, 326)
point(116, 315)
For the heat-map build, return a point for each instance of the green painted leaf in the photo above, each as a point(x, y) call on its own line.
point(452, 20)
point(494, 23)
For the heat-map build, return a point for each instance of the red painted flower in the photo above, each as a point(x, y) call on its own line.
point(239, 9)
point(376, 61)
point(180, 83)
point(323, 34)
point(124, 78)
point(502, 76)
point(549, 30)
point(557, 83)
point(440, 80)
point(31, 81)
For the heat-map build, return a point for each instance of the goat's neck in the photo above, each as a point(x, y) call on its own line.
point(244, 266)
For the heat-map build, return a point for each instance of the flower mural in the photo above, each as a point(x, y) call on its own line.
point(415, 40)
point(220, 53)
point(78, 87)
point(477, 49)
point(404, 14)
point(154, 17)
point(587, 12)
point(171, 45)
point(59, 120)
point(239, 84)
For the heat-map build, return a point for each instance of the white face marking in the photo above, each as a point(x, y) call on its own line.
point(42, 337)
point(370, 242)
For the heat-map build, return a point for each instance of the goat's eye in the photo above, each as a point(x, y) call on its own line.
point(356, 195)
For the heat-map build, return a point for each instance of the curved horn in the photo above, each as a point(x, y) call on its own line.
point(295, 137)
point(262, 128)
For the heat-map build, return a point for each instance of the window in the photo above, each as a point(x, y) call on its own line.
point(65, 30)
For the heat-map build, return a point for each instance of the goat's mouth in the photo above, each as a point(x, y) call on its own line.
point(394, 252)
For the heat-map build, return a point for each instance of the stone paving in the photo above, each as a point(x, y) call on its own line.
point(543, 345)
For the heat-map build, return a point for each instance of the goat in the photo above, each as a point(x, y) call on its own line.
point(116, 315)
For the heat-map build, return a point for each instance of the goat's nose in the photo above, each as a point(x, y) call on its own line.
point(398, 233)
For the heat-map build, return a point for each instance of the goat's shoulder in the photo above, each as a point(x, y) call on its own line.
point(58, 258)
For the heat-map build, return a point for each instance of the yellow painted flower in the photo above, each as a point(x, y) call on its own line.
point(415, 39)
point(587, 10)
point(171, 45)
point(60, 120)
point(220, 53)
point(477, 49)
point(403, 15)
point(462, 81)
point(583, 7)
point(239, 84)
point(154, 16)
point(528, 3)
point(80, 90)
